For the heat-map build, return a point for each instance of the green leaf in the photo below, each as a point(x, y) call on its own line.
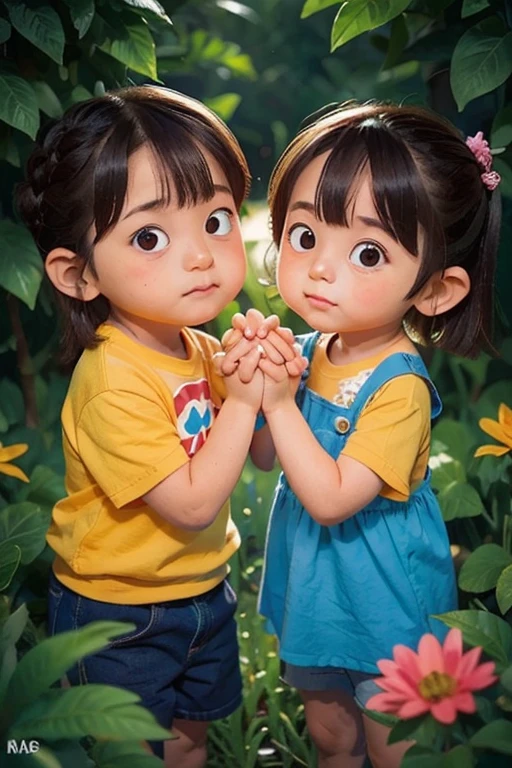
point(483, 567)
point(313, 6)
point(82, 14)
point(358, 16)
point(11, 631)
point(455, 439)
point(424, 730)
point(135, 49)
point(484, 629)
point(501, 131)
point(506, 679)
point(460, 500)
point(459, 757)
point(101, 711)
point(150, 5)
point(25, 525)
point(47, 99)
point(48, 661)
point(224, 105)
point(10, 556)
point(470, 7)
point(397, 41)
point(419, 757)
point(446, 472)
point(504, 590)
point(41, 25)
point(21, 266)
point(482, 61)
point(118, 754)
point(5, 31)
point(381, 717)
point(496, 736)
point(18, 104)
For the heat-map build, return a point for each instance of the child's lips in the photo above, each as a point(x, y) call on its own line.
point(202, 290)
point(319, 301)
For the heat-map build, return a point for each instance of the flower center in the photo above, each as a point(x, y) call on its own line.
point(437, 686)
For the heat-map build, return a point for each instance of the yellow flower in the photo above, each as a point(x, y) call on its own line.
point(8, 454)
point(501, 430)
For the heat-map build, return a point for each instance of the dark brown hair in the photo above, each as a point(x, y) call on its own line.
point(76, 178)
point(426, 185)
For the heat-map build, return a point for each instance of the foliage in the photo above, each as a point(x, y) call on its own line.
point(263, 67)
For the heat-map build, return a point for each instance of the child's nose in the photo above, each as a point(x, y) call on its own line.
point(199, 257)
point(322, 268)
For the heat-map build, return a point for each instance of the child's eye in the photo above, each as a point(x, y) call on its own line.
point(367, 255)
point(301, 238)
point(150, 240)
point(219, 222)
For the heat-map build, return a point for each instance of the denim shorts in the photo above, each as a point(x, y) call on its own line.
point(360, 685)
point(181, 659)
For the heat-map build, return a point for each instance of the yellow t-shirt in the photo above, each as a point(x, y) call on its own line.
point(392, 436)
point(132, 417)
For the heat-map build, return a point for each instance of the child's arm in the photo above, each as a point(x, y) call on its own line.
point(331, 490)
point(191, 497)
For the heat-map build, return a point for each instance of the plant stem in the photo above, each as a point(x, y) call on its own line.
point(27, 378)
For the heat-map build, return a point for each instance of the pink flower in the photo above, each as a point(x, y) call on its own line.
point(437, 679)
point(491, 179)
point(480, 148)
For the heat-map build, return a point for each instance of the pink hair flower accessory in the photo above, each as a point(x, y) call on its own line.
point(483, 155)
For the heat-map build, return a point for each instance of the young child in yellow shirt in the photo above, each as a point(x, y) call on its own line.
point(133, 201)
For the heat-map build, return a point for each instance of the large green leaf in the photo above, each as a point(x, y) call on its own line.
point(483, 567)
point(470, 7)
point(496, 736)
point(482, 60)
point(501, 131)
point(452, 437)
point(458, 757)
point(504, 590)
point(485, 629)
point(150, 5)
point(39, 24)
point(224, 105)
point(18, 104)
point(419, 757)
point(25, 525)
point(135, 49)
point(82, 14)
point(446, 472)
point(460, 500)
point(117, 754)
point(358, 16)
point(313, 6)
point(506, 679)
point(47, 99)
point(10, 556)
point(101, 711)
point(48, 661)
point(21, 266)
point(5, 31)
point(11, 631)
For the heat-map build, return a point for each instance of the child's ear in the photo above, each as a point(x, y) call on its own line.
point(66, 271)
point(443, 291)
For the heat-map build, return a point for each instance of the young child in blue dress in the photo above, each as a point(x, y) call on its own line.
point(387, 225)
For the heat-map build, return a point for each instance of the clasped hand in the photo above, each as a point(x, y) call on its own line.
point(261, 362)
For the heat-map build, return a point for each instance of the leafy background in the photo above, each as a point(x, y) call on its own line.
point(263, 65)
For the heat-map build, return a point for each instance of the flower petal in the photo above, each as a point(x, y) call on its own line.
point(383, 702)
point(482, 677)
point(490, 450)
point(430, 655)
point(444, 710)
point(387, 667)
point(397, 684)
point(493, 428)
point(10, 452)
point(505, 419)
point(465, 702)
point(452, 650)
point(468, 663)
point(12, 471)
point(408, 662)
point(414, 708)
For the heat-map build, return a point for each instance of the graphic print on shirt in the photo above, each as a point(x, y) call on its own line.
point(195, 412)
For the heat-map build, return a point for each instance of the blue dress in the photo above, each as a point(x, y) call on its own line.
point(344, 595)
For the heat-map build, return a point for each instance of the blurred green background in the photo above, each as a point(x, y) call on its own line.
point(263, 66)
